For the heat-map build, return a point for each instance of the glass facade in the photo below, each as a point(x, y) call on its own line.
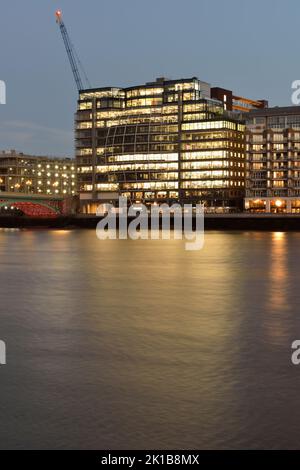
point(163, 141)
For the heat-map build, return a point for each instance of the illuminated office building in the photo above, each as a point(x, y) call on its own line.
point(163, 141)
point(273, 160)
point(37, 175)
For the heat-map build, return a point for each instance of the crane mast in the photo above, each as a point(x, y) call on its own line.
point(70, 50)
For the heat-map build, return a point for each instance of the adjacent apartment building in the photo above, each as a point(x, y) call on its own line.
point(37, 175)
point(273, 160)
point(163, 141)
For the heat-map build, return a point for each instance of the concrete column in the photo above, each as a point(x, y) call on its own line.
point(268, 205)
point(289, 206)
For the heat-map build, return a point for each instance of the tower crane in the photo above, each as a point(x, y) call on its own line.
point(73, 58)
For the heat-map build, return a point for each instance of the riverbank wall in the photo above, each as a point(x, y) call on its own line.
point(267, 222)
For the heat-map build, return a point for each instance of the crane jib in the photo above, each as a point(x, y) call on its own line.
point(70, 52)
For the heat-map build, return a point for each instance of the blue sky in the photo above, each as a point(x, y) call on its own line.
point(248, 46)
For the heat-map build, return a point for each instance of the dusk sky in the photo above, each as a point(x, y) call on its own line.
point(249, 47)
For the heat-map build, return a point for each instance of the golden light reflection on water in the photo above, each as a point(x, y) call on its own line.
point(278, 235)
point(278, 271)
point(277, 294)
point(61, 232)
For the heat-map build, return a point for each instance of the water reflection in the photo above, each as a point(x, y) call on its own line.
point(278, 271)
point(277, 301)
point(123, 343)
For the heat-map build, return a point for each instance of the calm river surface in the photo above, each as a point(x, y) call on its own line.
point(140, 344)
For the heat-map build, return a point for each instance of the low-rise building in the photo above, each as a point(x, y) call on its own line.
point(36, 174)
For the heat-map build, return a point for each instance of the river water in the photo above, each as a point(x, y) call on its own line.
point(123, 344)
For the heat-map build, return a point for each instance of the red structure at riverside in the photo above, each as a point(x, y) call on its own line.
point(33, 205)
